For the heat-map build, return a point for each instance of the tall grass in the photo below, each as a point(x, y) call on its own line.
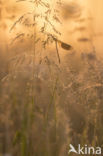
point(48, 102)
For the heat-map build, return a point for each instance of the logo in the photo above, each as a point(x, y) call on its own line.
point(85, 150)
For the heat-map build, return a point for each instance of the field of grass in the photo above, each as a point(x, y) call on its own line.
point(50, 92)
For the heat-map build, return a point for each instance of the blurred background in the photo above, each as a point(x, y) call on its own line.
point(50, 97)
point(86, 15)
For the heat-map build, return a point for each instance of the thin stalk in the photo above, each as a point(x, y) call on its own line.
point(51, 102)
point(57, 52)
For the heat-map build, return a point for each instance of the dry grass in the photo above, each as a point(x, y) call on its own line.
point(47, 102)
